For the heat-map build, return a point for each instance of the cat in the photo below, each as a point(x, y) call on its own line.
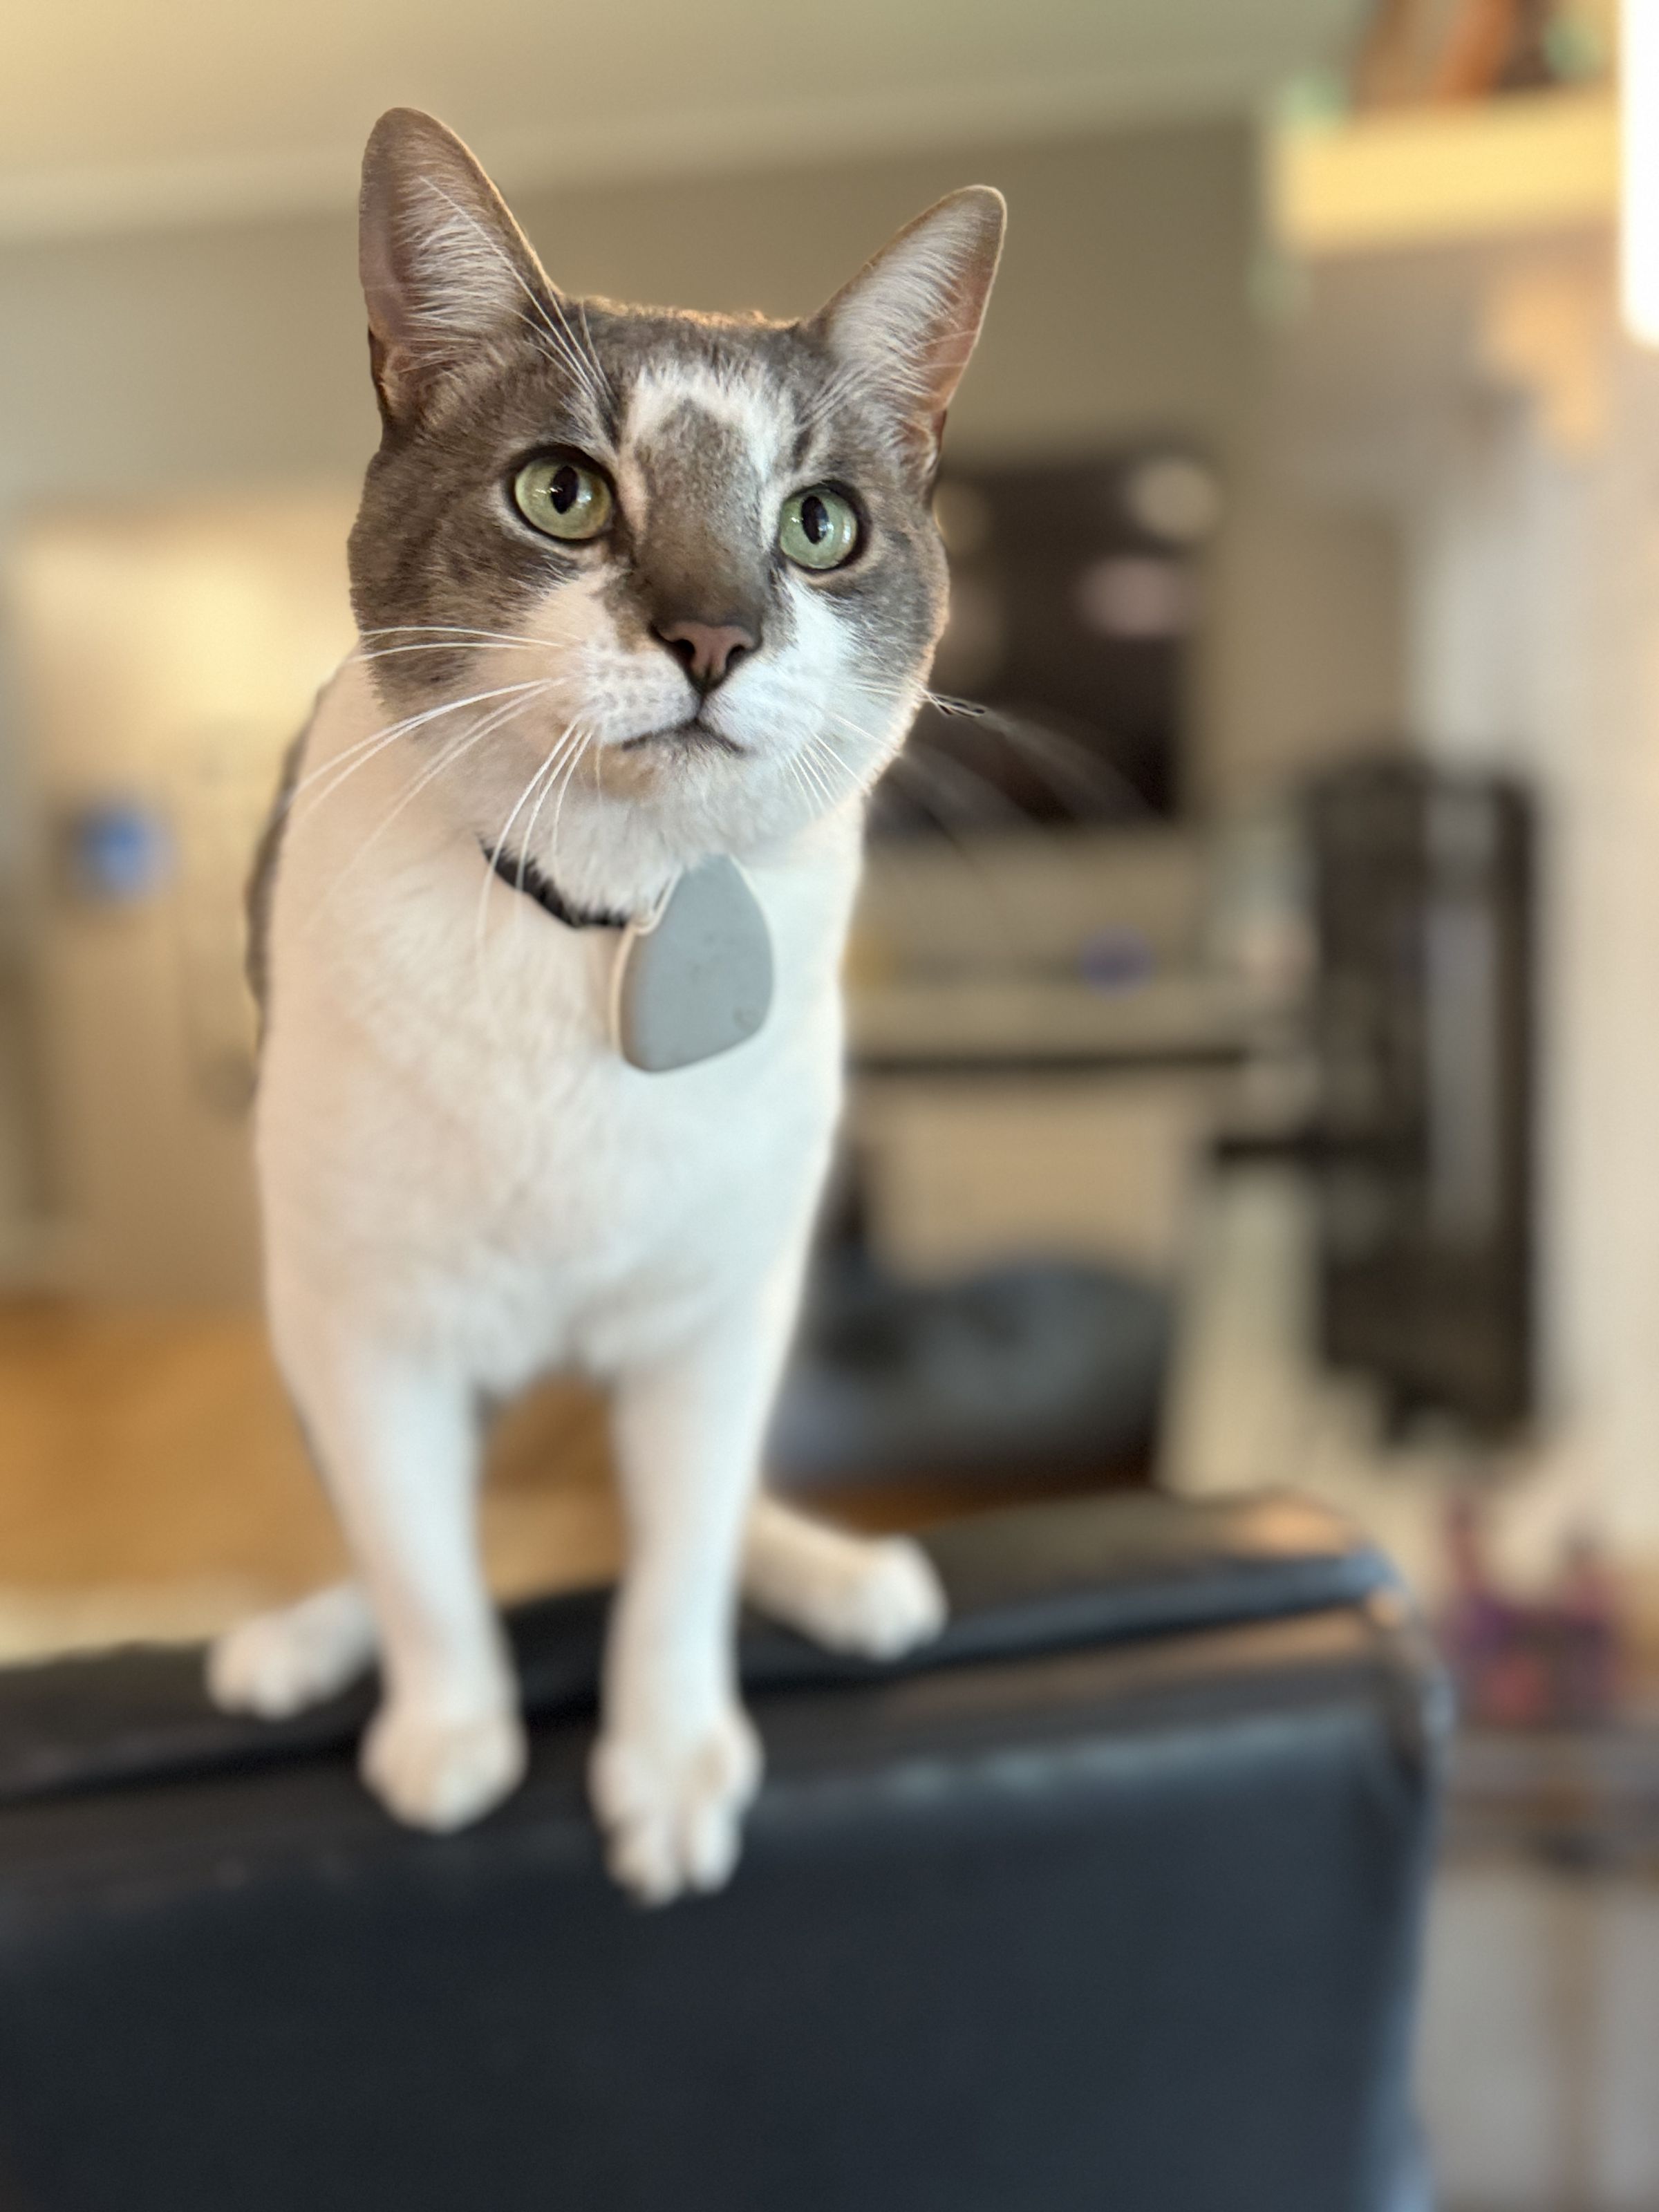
point(634, 589)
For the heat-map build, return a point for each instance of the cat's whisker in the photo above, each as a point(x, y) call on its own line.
point(908, 698)
point(445, 629)
point(583, 348)
point(558, 809)
point(549, 341)
point(546, 769)
point(908, 769)
point(527, 842)
point(560, 356)
point(459, 645)
point(447, 760)
point(1103, 779)
point(358, 756)
point(879, 753)
point(993, 804)
point(883, 700)
point(546, 774)
point(797, 776)
point(817, 747)
point(565, 350)
point(1103, 783)
point(577, 740)
point(822, 744)
point(1090, 782)
point(921, 768)
point(591, 351)
point(822, 795)
point(355, 754)
point(499, 718)
point(850, 724)
point(378, 740)
point(571, 736)
point(481, 977)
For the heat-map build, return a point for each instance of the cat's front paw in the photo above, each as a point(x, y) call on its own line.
point(672, 1803)
point(434, 1771)
point(279, 1663)
point(877, 1600)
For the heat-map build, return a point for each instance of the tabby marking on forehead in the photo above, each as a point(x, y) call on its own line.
point(739, 400)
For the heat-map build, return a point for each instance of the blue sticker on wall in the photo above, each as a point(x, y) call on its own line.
point(118, 851)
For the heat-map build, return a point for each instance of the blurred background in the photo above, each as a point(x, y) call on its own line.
point(1256, 993)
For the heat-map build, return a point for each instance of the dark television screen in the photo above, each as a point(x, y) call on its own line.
point(1074, 596)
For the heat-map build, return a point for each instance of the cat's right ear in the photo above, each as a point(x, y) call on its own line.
point(446, 270)
point(908, 320)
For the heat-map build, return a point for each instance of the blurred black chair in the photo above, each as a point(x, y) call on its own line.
point(1034, 1369)
point(1114, 1899)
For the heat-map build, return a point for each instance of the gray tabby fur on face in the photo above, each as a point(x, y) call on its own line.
point(703, 425)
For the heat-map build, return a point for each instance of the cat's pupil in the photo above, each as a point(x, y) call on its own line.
point(814, 518)
point(563, 489)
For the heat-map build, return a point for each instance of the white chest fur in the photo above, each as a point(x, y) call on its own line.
point(447, 1134)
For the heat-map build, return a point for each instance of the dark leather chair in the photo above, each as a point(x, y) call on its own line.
point(1113, 1900)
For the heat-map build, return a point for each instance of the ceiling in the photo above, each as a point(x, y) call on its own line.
point(121, 113)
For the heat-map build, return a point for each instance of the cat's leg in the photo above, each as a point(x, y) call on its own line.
point(876, 1598)
point(677, 1761)
point(396, 1441)
point(280, 1662)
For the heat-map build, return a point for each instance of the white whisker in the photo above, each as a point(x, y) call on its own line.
point(558, 809)
point(546, 770)
point(447, 760)
point(459, 645)
point(443, 630)
point(367, 749)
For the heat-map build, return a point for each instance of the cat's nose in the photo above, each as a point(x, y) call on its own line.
point(707, 651)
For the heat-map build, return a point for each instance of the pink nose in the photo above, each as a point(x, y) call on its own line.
point(705, 650)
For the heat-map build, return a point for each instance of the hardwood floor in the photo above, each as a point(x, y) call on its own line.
point(153, 1483)
point(153, 1459)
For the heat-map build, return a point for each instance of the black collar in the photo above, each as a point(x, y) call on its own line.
point(525, 875)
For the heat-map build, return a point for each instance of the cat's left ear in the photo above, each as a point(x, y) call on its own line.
point(446, 270)
point(910, 318)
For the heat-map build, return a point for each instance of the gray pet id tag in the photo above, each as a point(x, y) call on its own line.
point(695, 977)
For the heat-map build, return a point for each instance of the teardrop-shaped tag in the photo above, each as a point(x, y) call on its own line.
point(695, 979)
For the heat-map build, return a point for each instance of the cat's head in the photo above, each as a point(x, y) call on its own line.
point(703, 545)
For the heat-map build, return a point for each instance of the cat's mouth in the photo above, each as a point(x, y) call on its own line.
point(696, 735)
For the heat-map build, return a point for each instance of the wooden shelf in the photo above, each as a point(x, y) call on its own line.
point(1521, 166)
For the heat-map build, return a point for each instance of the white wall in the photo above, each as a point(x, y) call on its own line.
point(1535, 575)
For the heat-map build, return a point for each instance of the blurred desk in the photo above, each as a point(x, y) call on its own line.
point(1005, 1114)
point(1045, 1025)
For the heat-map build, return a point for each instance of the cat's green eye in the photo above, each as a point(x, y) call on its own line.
point(818, 529)
point(562, 498)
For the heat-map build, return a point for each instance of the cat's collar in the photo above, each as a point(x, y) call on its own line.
point(520, 872)
point(692, 978)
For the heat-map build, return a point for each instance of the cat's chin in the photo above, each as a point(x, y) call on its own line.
point(683, 739)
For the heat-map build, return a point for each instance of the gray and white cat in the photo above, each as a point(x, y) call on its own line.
point(634, 588)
